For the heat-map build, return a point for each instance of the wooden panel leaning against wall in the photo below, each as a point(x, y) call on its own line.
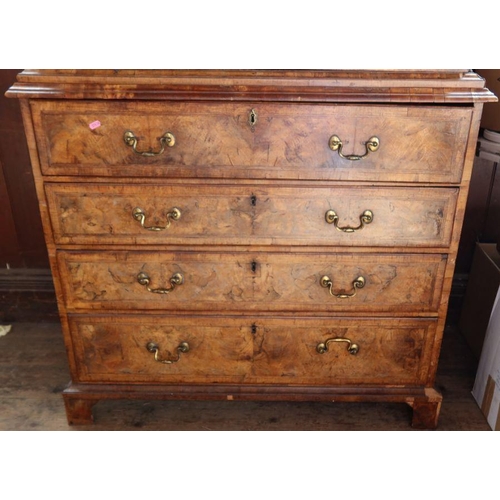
point(26, 291)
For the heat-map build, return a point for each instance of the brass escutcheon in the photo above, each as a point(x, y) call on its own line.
point(252, 118)
point(371, 145)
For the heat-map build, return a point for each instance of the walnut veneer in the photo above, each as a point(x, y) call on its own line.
point(273, 235)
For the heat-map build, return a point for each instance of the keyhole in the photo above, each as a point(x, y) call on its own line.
point(254, 329)
point(252, 118)
point(253, 199)
point(254, 266)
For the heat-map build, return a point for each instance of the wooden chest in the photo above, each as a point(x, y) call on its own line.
point(252, 235)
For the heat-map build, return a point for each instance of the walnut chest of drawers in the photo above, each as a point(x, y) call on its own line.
point(247, 235)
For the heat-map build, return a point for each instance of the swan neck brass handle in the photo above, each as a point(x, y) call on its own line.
point(144, 280)
point(359, 282)
point(139, 215)
point(153, 347)
point(365, 218)
point(167, 139)
point(352, 348)
point(371, 145)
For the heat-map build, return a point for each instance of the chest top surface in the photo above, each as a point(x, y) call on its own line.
point(384, 86)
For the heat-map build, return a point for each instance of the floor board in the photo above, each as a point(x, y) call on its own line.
point(33, 373)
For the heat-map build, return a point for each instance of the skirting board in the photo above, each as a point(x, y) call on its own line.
point(27, 295)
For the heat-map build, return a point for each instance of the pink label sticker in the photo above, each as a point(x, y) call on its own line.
point(94, 125)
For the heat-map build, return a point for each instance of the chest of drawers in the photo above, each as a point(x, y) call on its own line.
point(252, 235)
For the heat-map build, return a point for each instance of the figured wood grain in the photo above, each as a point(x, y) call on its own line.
point(271, 272)
point(216, 140)
point(406, 283)
point(96, 214)
point(251, 350)
point(30, 396)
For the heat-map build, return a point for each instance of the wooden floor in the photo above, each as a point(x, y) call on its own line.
point(33, 372)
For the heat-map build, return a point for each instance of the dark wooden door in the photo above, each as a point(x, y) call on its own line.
point(21, 238)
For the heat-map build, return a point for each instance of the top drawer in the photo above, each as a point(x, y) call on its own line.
point(252, 140)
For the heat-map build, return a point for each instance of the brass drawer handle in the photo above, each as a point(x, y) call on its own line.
point(182, 347)
point(139, 215)
point(144, 279)
point(365, 218)
point(352, 348)
point(372, 144)
point(359, 282)
point(167, 139)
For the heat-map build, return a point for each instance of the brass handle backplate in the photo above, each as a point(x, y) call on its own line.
point(365, 218)
point(352, 348)
point(139, 215)
point(359, 282)
point(371, 145)
point(167, 139)
point(182, 347)
point(145, 280)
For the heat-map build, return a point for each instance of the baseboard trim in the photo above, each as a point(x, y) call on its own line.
point(27, 295)
point(459, 285)
point(26, 280)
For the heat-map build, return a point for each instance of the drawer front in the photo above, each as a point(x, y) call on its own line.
point(219, 140)
point(145, 214)
point(251, 350)
point(250, 280)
